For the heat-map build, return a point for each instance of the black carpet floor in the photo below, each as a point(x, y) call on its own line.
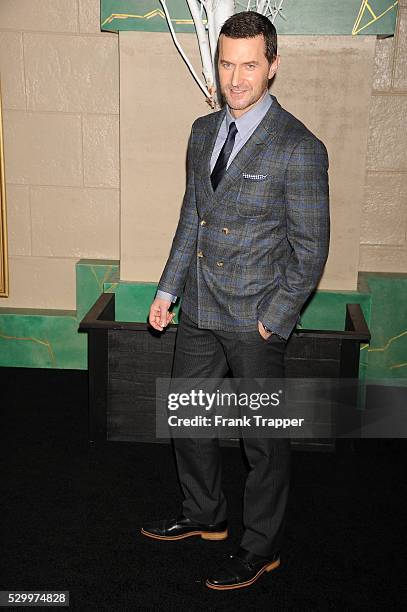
point(71, 516)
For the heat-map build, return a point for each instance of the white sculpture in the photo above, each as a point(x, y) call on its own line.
point(208, 17)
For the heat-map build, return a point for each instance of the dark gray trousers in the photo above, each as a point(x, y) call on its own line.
point(202, 353)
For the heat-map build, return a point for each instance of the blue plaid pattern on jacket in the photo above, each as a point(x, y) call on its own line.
point(254, 249)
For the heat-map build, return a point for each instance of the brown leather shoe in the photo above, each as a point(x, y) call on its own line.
point(182, 527)
point(241, 570)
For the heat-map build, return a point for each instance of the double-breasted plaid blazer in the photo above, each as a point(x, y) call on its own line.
point(255, 248)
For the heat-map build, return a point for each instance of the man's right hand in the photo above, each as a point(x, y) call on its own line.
point(159, 317)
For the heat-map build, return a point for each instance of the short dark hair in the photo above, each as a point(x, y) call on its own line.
point(249, 24)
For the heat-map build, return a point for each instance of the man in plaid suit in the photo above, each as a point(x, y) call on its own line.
point(250, 247)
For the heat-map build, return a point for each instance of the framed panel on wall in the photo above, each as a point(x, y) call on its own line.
point(3, 216)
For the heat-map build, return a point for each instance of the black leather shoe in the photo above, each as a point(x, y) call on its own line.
point(182, 527)
point(241, 570)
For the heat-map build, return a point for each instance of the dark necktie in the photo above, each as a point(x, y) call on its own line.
point(222, 161)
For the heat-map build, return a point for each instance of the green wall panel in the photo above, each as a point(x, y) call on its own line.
point(299, 16)
point(40, 338)
point(91, 275)
point(327, 309)
point(386, 355)
point(46, 339)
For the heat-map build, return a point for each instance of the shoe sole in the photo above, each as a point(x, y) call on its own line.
point(205, 535)
point(241, 585)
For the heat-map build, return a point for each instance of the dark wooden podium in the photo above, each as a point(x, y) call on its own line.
point(124, 360)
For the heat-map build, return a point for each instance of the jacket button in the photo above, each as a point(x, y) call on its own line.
point(203, 222)
point(219, 264)
point(225, 230)
point(200, 254)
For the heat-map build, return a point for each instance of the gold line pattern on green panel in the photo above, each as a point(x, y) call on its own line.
point(364, 8)
point(105, 277)
point(398, 365)
point(155, 13)
point(32, 339)
point(386, 346)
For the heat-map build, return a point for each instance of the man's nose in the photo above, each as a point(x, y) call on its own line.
point(235, 77)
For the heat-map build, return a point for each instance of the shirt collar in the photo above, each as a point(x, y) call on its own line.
point(249, 120)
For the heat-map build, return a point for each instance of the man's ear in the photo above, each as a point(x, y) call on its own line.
point(274, 66)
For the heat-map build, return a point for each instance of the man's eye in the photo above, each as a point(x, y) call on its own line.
point(226, 65)
point(251, 66)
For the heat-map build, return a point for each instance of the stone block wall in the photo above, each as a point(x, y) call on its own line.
point(60, 90)
point(383, 237)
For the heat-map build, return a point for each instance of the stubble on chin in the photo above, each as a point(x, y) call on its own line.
point(233, 105)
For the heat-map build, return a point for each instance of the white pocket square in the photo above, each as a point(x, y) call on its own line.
point(254, 177)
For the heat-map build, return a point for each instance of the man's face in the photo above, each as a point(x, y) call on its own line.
point(244, 71)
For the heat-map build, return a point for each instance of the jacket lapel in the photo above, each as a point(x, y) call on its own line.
point(263, 136)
